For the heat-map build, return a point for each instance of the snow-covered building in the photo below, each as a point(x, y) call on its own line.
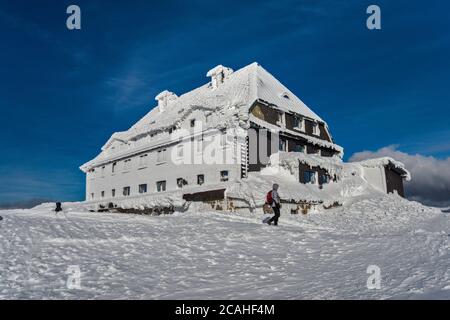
point(196, 144)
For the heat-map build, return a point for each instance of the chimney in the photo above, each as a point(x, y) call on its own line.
point(164, 98)
point(218, 75)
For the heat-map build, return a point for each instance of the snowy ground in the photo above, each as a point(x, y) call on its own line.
point(214, 255)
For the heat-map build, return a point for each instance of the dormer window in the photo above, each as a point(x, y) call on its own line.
point(281, 119)
point(285, 95)
point(315, 128)
point(299, 123)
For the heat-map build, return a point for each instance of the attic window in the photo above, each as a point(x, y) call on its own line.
point(285, 95)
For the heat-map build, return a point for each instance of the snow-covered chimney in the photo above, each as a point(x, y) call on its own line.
point(164, 98)
point(218, 75)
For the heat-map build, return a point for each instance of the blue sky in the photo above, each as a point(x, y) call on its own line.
point(63, 93)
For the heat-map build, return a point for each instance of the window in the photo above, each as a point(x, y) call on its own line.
point(113, 193)
point(143, 188)
point(281, 119)
point(126, 191)
point(192, 123)
point(299, 148)
point(316, 129)
point(161, 156)
point(103, 194)
point(298, 123)
point(143, 160)
point(181, 182)
point(161, 186)
point(323, 179)
point(127, 165)
point(224, 175)
point(200, 179)
point(114, 167)
point(92, 196)
point(282, 146)
point(309, 177)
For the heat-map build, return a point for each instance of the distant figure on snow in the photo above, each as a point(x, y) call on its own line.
point(275, 203)
point(58, 207)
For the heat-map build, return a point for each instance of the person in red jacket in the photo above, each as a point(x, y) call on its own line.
point(276, 205)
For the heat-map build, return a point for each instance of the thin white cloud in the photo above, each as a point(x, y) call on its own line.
point(430, 183)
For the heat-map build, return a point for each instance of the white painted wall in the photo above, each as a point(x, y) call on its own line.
point(376, 177)
point(174, 167)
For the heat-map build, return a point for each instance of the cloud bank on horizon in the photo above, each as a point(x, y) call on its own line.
point(430, 183)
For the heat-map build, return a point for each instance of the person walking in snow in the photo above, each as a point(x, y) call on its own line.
point(276, 205)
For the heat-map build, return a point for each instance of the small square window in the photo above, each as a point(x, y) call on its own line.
point(309, 177)
point(143, 188)
point(200, 179)
point(224, 175)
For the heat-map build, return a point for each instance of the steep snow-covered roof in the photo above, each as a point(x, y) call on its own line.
point(240, 89)
point(231, 100)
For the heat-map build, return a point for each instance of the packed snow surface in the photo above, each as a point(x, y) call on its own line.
point(213, 255)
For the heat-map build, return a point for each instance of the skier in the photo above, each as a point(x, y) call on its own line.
point(276, 205)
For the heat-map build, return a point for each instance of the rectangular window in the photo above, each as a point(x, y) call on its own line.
point(114, 165)
point(224, 175)
point(309, 177)
point(126, 191)
point(192, 123)
point(282, 145)
point(103, 171)
point(103, 194)
point(161, 156)
point(200, 179)
point(143, 188)
point(161, 186)
point(113, 193)
point(143, 160)
point(299, 148)
point(92, 196)
point(180, 183)
point(281, 119)
point(323, 179)
point(316, 129)
point(298, 123)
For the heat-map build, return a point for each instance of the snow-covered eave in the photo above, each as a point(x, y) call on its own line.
point(310, 139)
point(386, 161)
point(286, 110)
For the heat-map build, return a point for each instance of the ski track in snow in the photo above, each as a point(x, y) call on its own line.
point(212, 255)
